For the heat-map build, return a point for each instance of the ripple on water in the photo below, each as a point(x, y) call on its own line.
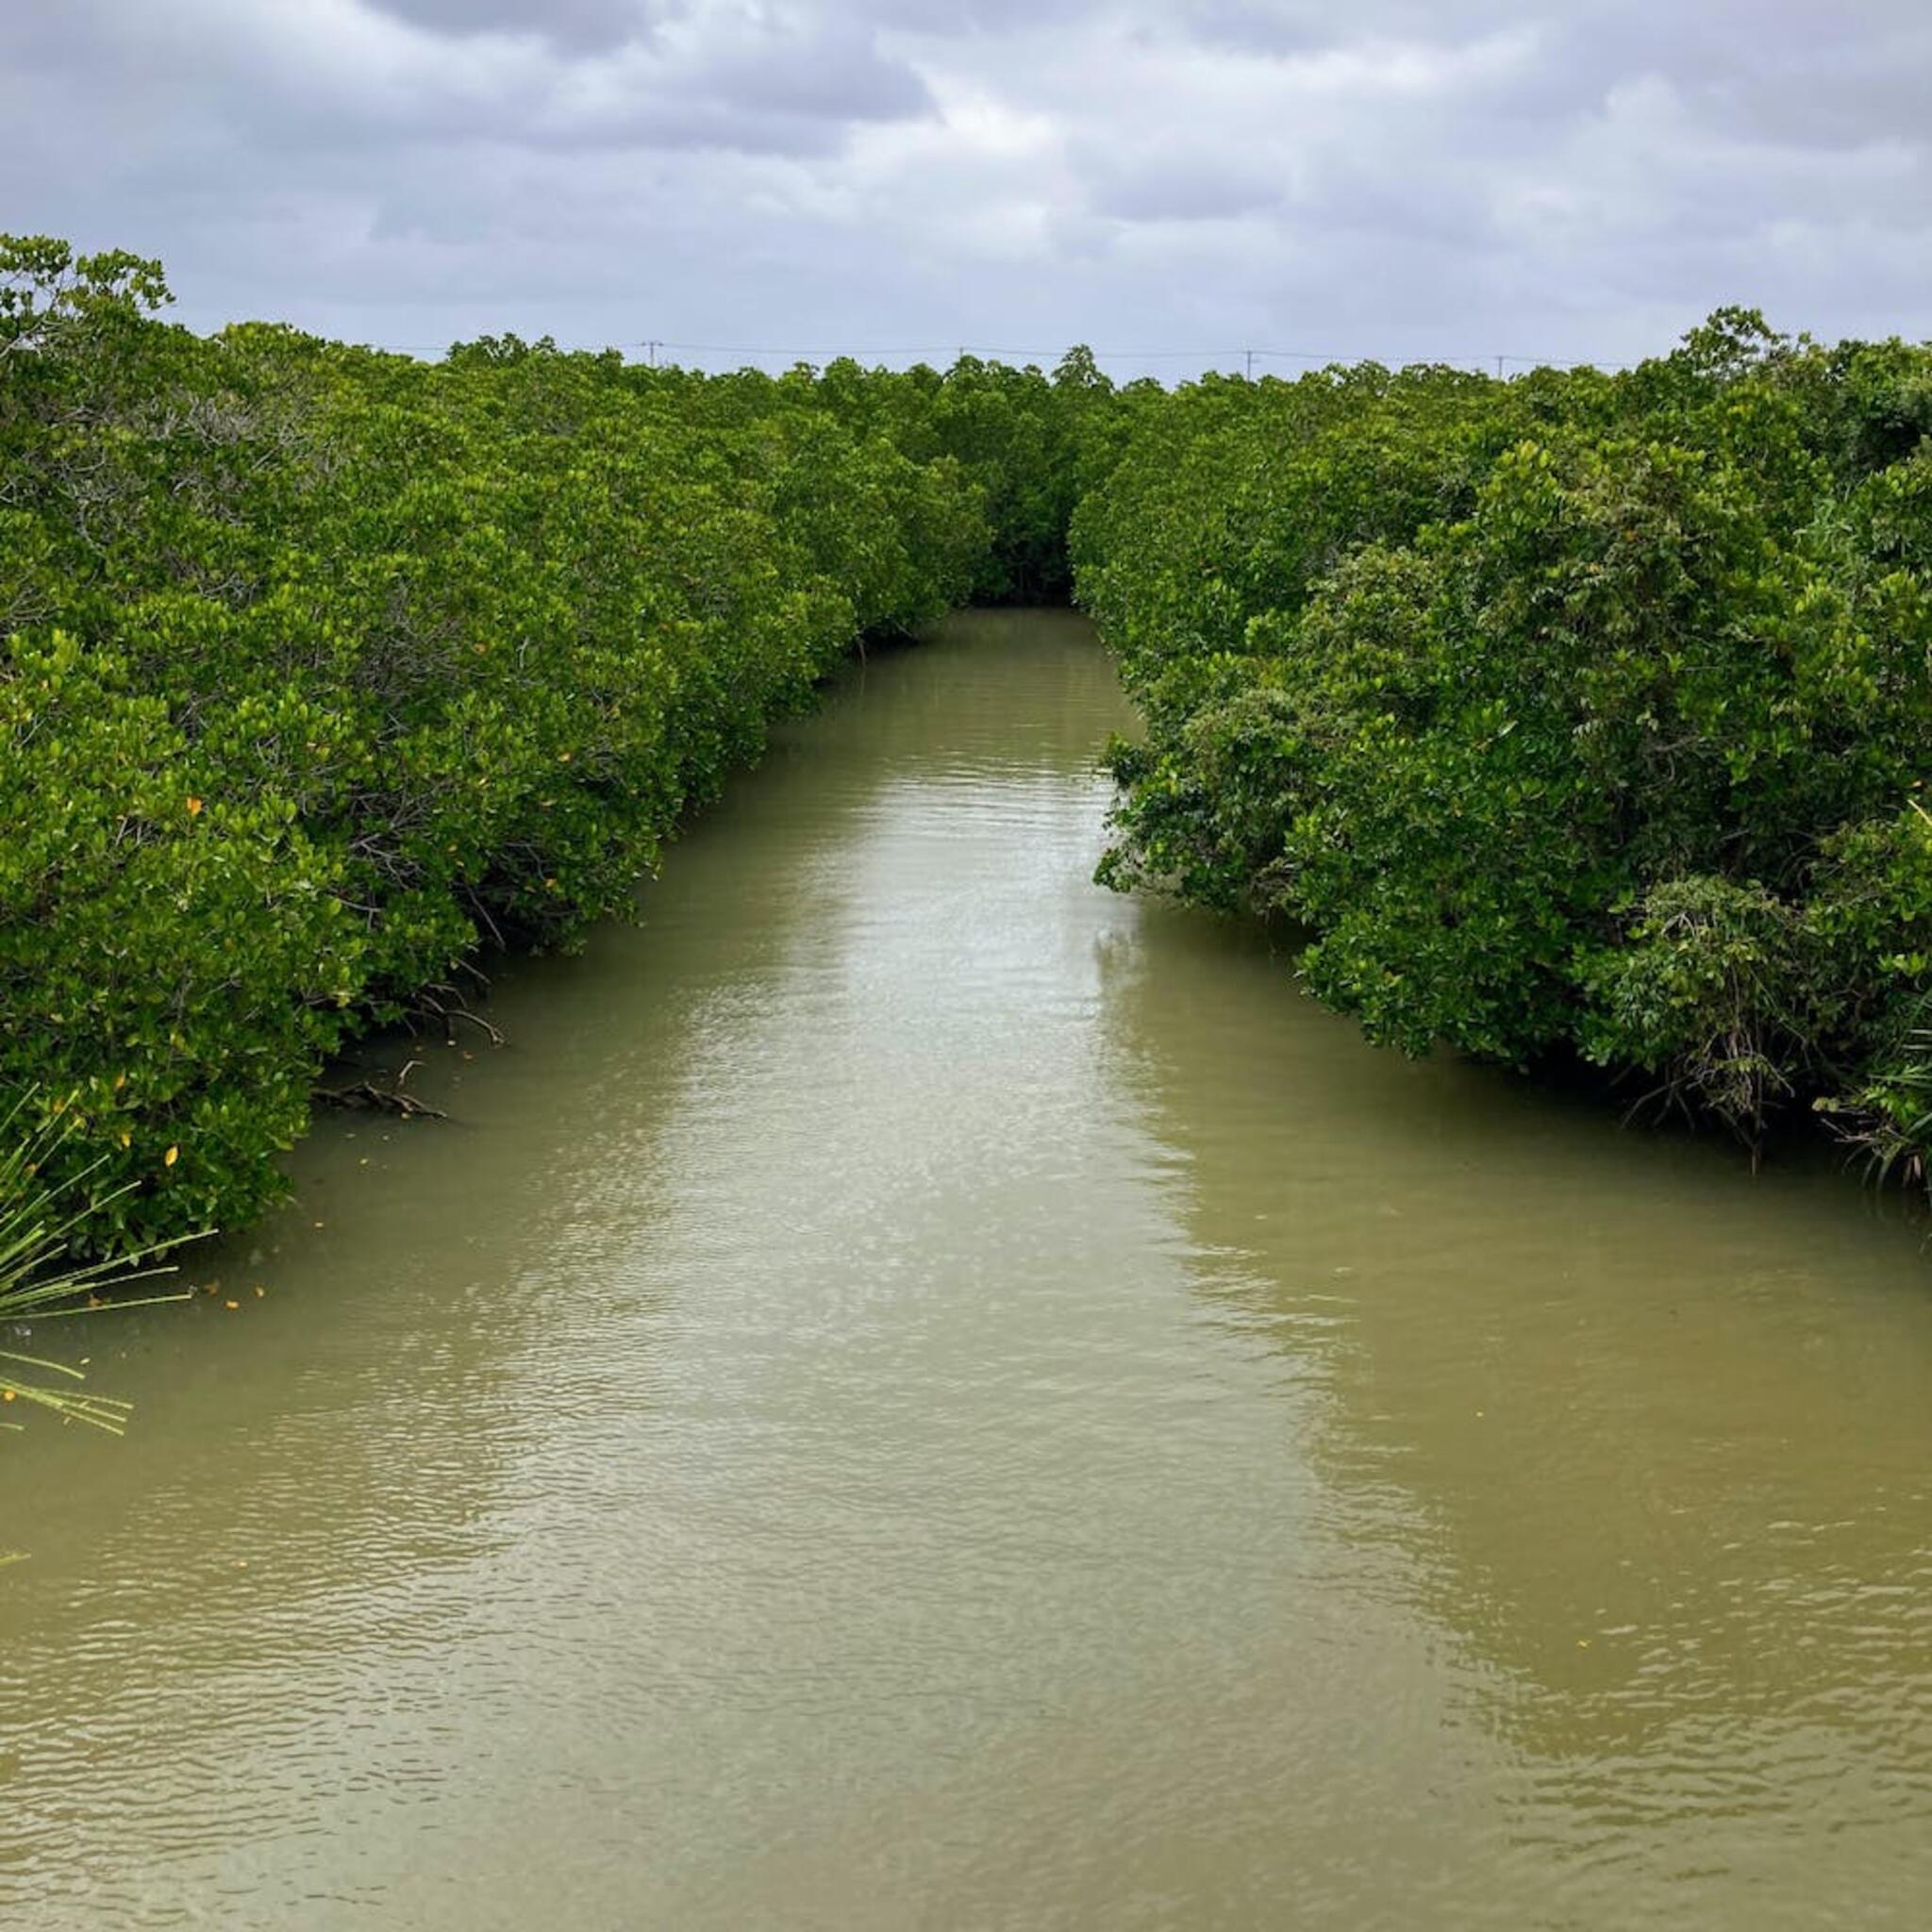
point(919, 1391)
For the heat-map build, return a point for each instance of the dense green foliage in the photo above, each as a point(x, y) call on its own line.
point(1029, 441)
point(1573, 714)
point(319, 666)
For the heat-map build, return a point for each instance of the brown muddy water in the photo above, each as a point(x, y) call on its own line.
point(917, 1392)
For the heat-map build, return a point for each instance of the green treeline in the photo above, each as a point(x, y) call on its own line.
point(1578, 714)
point(320, 667)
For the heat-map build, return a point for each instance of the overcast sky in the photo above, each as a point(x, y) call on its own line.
point(1452, 180)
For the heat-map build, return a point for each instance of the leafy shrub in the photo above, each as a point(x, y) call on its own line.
point(320, 667)
point(1578, 713)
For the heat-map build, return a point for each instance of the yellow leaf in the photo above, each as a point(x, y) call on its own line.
point(169, 1159)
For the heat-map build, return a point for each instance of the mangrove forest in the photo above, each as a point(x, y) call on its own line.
point(1574, 718)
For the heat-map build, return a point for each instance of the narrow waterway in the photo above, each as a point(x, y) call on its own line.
point(916, 1392)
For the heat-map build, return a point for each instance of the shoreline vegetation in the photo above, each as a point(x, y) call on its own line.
point(38, 1283)
point(322, 670)
point(1577, 715)
point(1574, 713)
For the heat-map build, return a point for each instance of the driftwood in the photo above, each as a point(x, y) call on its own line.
point(390, 1099)
point(445, 1003)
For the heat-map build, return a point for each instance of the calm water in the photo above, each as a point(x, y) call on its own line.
point(918, 1392)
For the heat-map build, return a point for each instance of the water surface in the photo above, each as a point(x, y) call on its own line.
point(919, 1392)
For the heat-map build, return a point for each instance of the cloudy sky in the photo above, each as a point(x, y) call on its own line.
point(1170, 181)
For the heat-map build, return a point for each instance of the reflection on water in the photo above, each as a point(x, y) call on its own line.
point(1648, 1439)
point(917, 1391)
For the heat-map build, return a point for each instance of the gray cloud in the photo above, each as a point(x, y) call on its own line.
point(1175, 186)
point(567, 23)
point(1570, 178)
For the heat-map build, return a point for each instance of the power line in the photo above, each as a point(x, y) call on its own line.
point(1204, 358)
